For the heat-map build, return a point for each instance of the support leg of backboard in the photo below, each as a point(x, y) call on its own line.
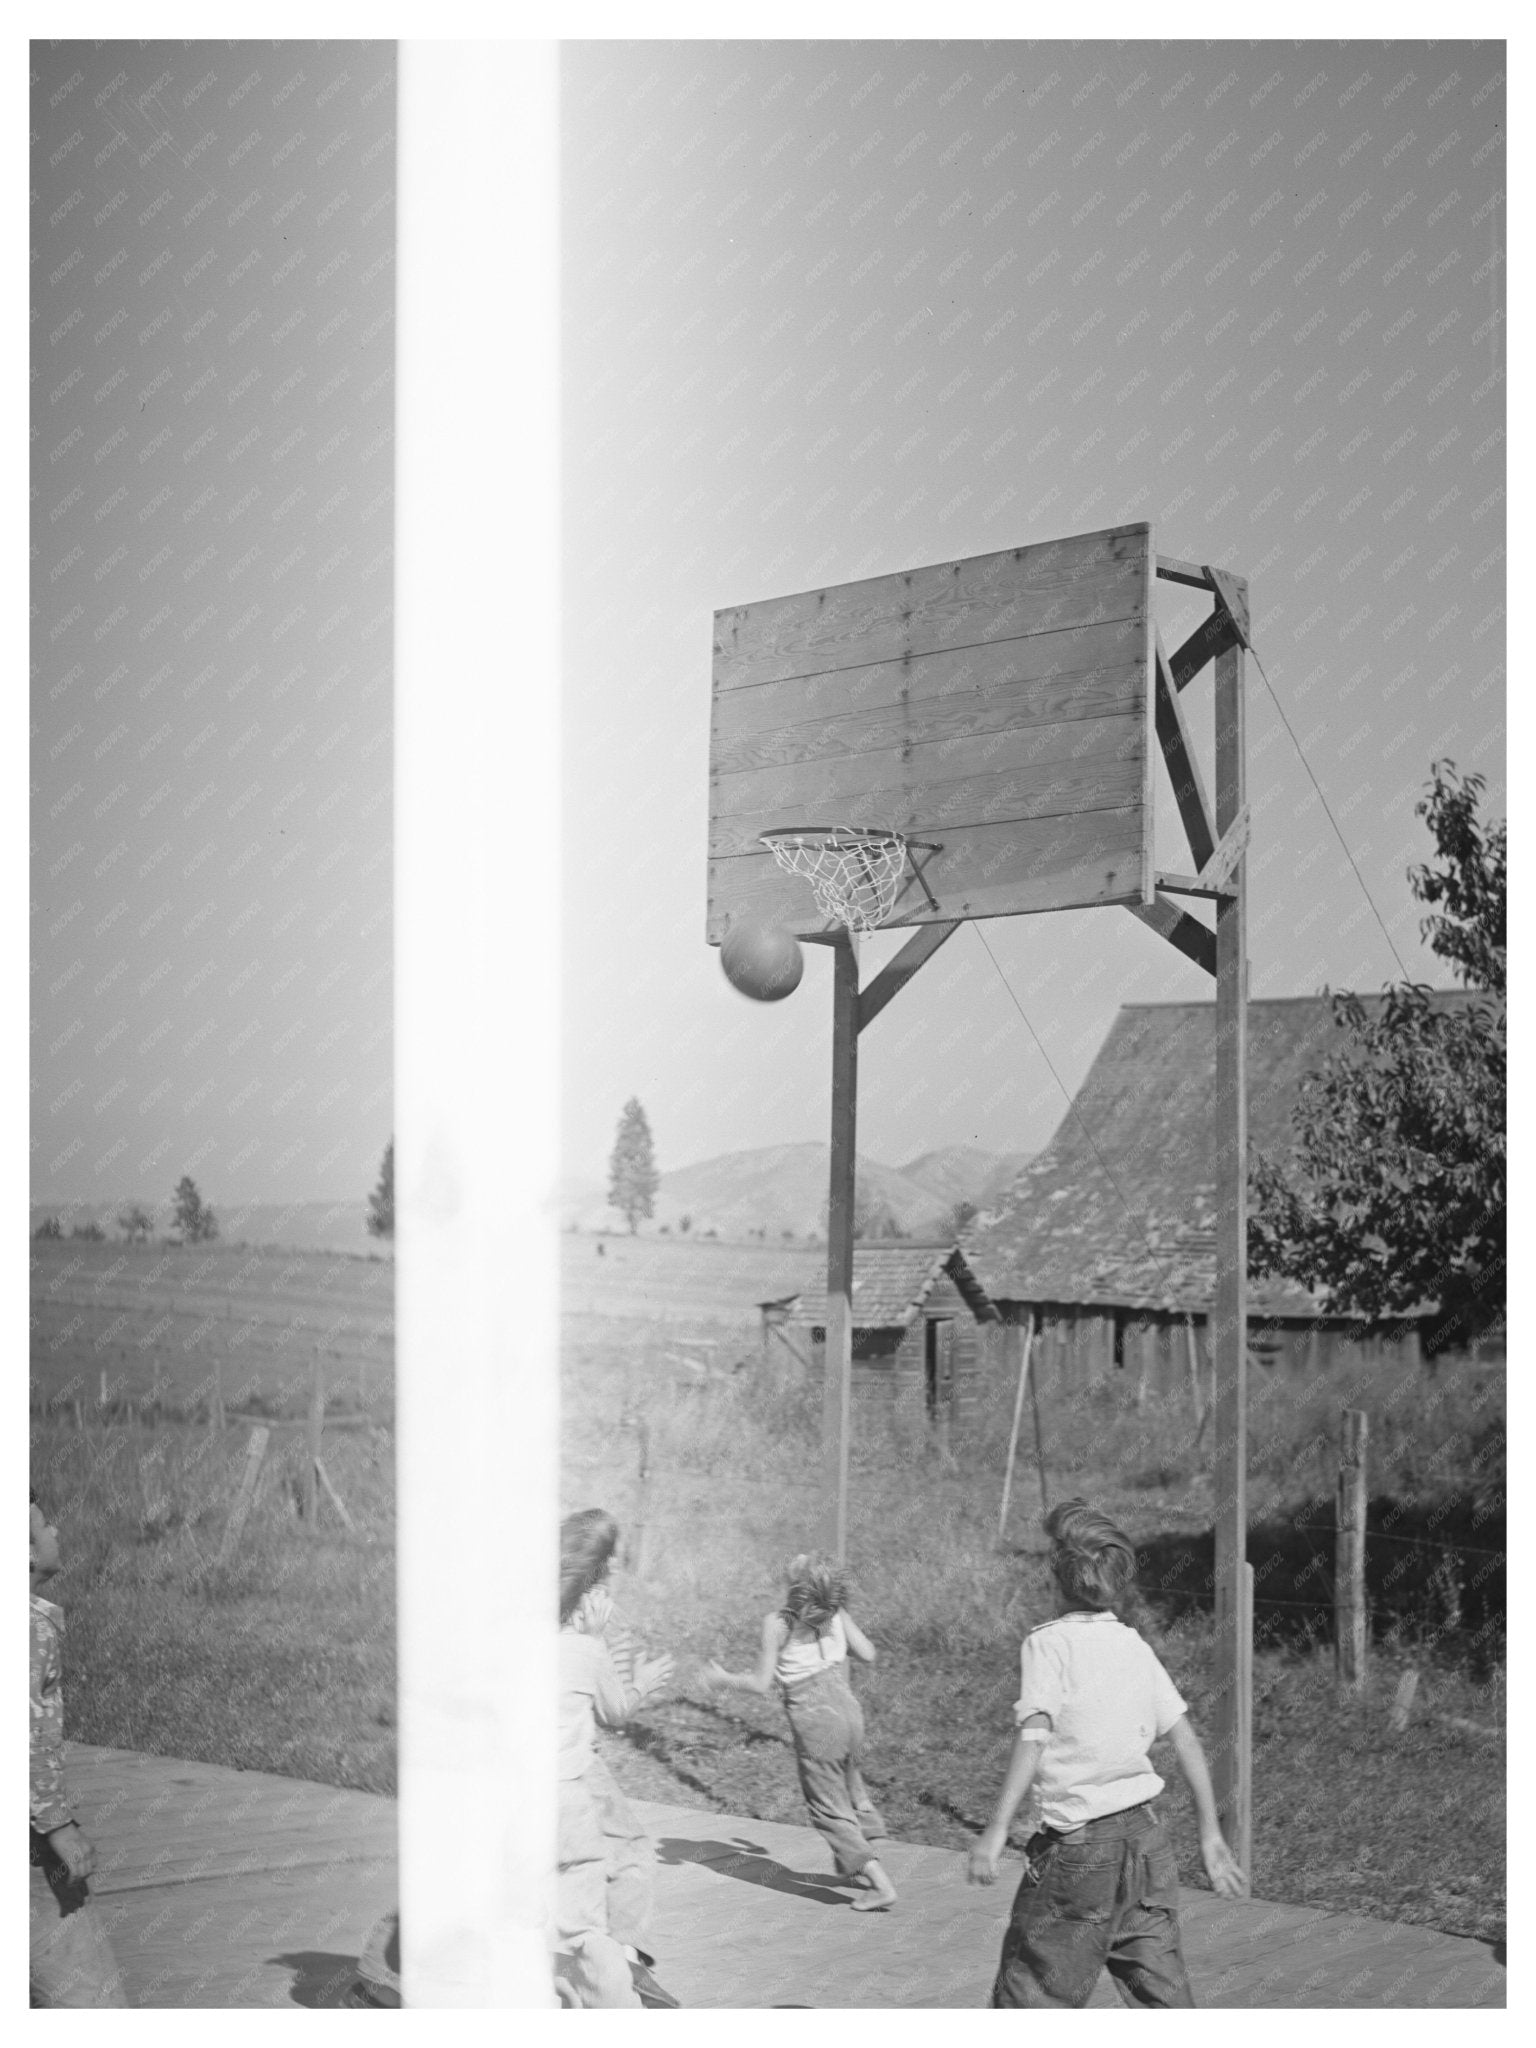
point(1234, 1643)
point(837, 1388)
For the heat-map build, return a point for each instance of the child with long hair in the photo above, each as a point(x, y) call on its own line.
point(1100, 1886)
point(806, 1644)
point(605, 1856)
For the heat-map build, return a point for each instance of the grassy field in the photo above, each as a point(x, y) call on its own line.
point(158, 1323)
point(283, 1660)
point(1348, 1815)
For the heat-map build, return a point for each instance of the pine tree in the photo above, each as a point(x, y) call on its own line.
point(381, 1203)
point(632, 1176)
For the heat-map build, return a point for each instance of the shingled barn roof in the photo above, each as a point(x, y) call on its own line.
point(892, 1281)
point(1119, 1210)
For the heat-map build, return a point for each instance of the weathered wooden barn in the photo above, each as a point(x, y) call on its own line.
point(917, 1310)
point(1108, 1237)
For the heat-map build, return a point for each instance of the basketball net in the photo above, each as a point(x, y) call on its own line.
point(855, 874)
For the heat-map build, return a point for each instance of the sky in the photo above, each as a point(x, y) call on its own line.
point(212, 245)
point(829, 310)
point(832, 310)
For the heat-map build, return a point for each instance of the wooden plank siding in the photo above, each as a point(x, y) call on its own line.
point(1004, 868)
point(1015, 593)
point(997, 706)
point(1078, 1346)
point(890, 1377)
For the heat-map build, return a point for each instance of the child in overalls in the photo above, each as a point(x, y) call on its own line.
point(806, 1644)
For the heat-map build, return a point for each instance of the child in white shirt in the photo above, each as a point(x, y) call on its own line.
point(1100, 1884)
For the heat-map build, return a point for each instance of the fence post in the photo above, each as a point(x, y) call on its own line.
point(256, 1450)
point(316, 1427)
point(1349, 1552)
point(1196, 1405)
point(1013, 1434)
point(1402, 1700)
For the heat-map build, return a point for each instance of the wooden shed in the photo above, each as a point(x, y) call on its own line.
point(1107, 1238)
point(916, 1354)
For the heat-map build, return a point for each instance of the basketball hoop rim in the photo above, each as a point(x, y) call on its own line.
point(838, 838)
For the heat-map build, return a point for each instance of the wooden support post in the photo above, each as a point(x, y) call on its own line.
point(217, 1420)
point(332, 1495)
point(103, 1386)
point(837, 1392)
point(1013, 1434)
point(1402, 1700)
point(634, 1549)
point(1034, 1402)
point(1231, 1760)
point(315, 1431)
point(1349, 1553)
point(942, 1337)
point(256, 1450)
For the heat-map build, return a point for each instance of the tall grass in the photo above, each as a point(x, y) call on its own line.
point(733, 1487)
point(281, 1660)
point(1433, 1430)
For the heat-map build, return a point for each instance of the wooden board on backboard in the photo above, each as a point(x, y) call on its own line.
point(999, 708)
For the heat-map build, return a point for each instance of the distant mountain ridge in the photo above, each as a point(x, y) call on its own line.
point(781, 1190)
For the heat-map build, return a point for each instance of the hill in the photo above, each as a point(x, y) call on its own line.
point(780, 1192)
point(965, 1173)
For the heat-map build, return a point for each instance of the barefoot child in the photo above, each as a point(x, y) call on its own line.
point(605, 1857)
point(805, 1649)
point(1100, 1883)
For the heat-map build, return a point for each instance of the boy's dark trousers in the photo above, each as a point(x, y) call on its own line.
point(1104, 1896)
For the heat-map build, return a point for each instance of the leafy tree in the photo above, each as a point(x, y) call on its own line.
point(632, 1176)
point(961, 1217)
point(1393, 1195)
point(381, 1203)
point(135, 1222)
point(49, 1227)
point(191, 1214)
point(89, 1232)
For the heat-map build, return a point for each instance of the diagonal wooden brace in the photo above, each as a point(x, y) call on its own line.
point(1183, 769)
point(1211, 637)
point(1215, 878)
point(1196, 941)
point(896, 973)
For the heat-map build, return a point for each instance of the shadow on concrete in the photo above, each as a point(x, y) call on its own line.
point(321, 1980)
point(752, 1864)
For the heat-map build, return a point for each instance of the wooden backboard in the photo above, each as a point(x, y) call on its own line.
point(1000, 707)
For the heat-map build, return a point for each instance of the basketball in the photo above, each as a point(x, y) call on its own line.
point(763, 961)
